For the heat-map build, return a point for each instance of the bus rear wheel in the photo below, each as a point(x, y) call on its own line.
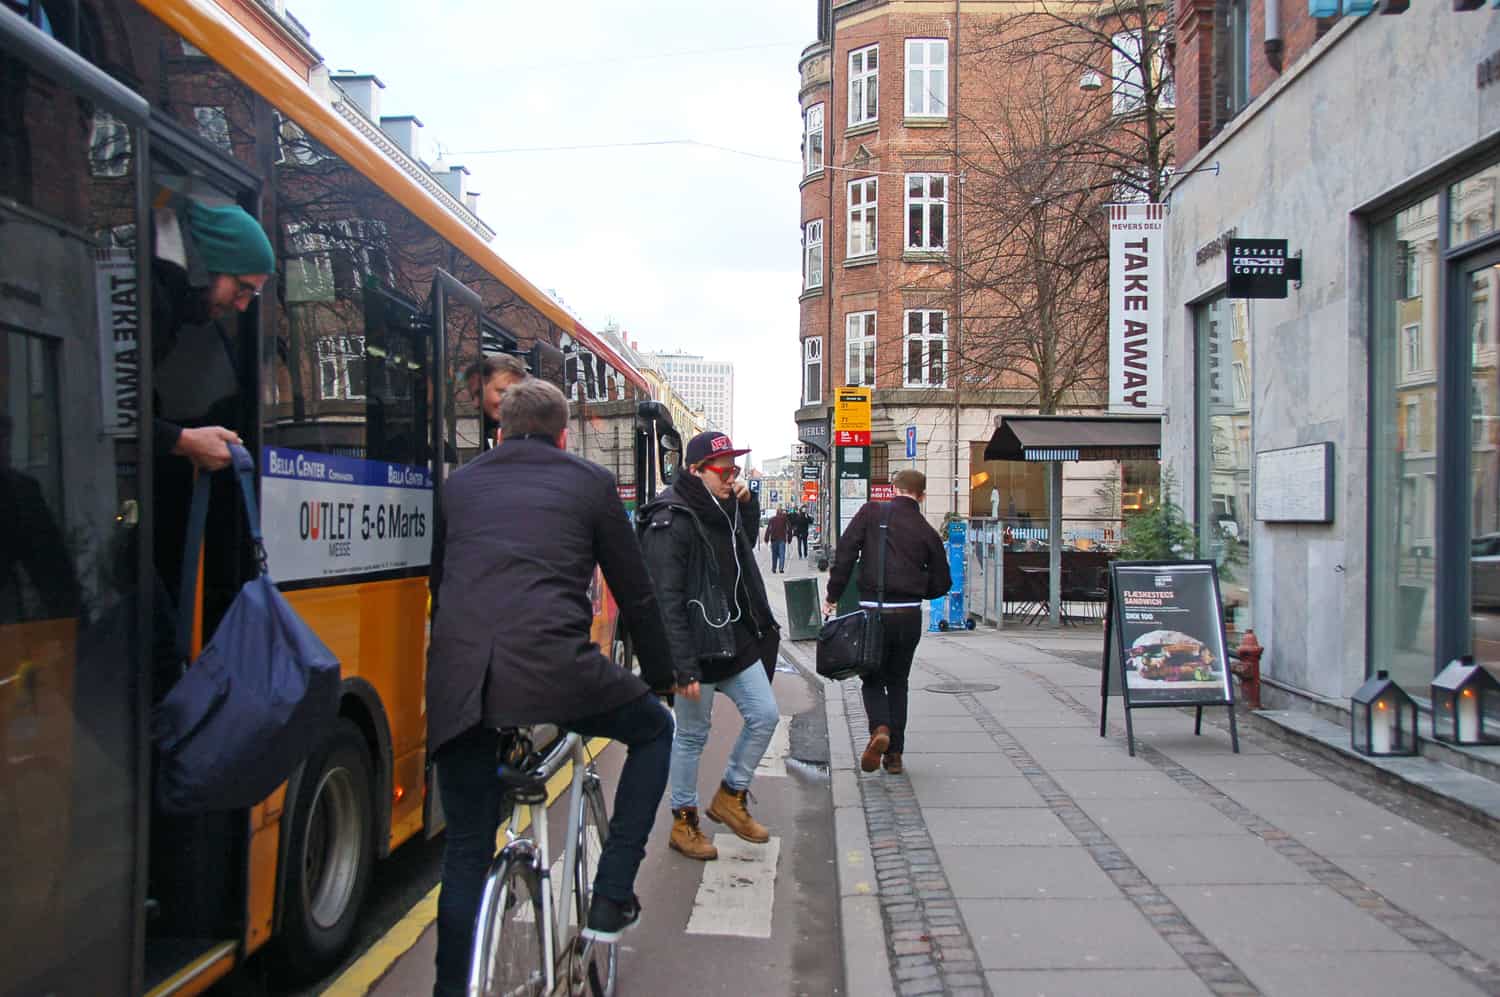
point(330, 851)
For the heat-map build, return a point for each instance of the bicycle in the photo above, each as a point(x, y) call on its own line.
point(520, 948)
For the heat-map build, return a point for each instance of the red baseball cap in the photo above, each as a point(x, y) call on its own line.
point(706, 446)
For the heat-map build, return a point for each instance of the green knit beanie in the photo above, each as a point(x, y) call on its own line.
point(229, 241)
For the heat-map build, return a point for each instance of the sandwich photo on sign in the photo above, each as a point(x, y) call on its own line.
point(1171, 659)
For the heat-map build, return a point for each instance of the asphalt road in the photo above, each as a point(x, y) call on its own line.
point(665, 955)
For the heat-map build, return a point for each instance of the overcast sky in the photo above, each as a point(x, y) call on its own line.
point(684, 247)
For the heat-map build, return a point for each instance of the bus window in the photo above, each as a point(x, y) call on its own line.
point(456, 315)
point(70, 649)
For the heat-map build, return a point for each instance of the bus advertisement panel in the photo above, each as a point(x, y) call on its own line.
point(324, 515)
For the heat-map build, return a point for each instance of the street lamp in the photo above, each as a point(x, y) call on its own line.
point(1090, 81)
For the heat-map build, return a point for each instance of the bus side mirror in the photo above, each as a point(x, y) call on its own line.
point(670, 446)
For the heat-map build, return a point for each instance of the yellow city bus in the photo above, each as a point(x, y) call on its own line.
point(346, 377)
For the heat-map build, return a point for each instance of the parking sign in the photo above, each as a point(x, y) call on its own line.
point(911, 442)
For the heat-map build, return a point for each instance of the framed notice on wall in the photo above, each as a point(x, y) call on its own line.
point(1295, 484)
point(1164, 641)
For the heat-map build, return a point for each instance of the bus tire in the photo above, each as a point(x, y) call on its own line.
point(330, 851)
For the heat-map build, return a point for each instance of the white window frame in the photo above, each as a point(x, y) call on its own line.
point(812, 128)
point(864, 85)
point(859, 349)
point(1411, 346)
point(213, 127)
point(812, 358)
point(926, 337)
point(861, 218)
point(812, 255)
point(1128, 89)
point(109, 145)
point(335, 353)
point(926, 78)
point(926, 202)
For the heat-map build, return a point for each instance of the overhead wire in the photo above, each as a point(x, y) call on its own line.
point(681, 142)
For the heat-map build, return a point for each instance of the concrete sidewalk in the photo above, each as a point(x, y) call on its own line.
point(1021, 853)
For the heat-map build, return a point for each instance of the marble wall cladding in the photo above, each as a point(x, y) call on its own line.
point(1377, 107)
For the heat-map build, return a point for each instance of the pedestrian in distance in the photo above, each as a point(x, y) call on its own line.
point(521, 529)
point(916, 568)
point(776, 536)
point(800, 526)
point(696, 537)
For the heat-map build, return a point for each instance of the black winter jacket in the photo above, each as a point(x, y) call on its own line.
point(691, 587)
point(916, 563)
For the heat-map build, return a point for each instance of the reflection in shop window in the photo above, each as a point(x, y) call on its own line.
point(1472, 205)
point(1403, 398)
point(1225, 453)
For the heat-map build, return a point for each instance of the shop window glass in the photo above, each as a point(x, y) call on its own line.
point(1472, 206)
point(1403, 461)
point(1225, 451)
point(1015, 491)
point(1481, 293)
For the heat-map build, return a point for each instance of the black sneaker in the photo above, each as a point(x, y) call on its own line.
point(609, 919)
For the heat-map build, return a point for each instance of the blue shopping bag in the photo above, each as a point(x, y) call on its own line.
point(260, 697)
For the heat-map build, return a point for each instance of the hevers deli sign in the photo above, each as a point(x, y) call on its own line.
point(1137, 305)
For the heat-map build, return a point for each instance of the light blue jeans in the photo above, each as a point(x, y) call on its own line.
point(750, 692)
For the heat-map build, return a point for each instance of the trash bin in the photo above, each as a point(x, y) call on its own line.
point(804, 608)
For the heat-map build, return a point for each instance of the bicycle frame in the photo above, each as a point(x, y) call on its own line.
point(556, 927)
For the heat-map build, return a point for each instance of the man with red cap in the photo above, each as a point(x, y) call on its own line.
point(697, 538)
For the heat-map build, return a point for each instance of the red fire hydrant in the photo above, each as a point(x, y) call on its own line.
point(1247, 669)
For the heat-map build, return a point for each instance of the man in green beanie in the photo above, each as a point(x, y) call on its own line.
point(227, 259)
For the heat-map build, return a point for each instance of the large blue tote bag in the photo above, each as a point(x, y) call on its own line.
point(259, 698)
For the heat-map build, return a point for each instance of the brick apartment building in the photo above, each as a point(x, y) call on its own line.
point(894, 100)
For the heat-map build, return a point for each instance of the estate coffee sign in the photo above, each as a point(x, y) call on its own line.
point(1164, 636)
point(1137, 300)
point(1259, 268)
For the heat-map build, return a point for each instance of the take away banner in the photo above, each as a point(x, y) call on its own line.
point(1137, 306)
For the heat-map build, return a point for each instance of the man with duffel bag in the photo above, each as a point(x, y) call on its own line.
point(916, 568)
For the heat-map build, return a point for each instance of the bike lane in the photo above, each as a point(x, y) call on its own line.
point(760, 919)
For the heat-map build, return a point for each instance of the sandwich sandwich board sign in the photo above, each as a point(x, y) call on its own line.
point(1164, 640)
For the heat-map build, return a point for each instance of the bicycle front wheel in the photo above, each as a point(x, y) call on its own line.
point(593, 966)
point(509, 957)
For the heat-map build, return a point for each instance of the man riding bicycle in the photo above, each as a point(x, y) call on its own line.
point(522, 528)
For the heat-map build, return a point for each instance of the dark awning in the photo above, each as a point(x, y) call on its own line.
point(1075, 437)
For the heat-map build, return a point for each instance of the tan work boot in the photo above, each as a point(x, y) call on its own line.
point(869, 761)
point(893, 763)
point(728, 808)
point(688, 839)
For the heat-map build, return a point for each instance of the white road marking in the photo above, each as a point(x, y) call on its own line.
point(591, 837)
point(738, 890)
point(773, 762)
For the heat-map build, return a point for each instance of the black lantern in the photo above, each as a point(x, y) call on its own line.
point(1384, 720)
point(1462, 694)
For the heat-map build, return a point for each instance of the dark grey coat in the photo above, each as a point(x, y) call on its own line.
point(522, 528)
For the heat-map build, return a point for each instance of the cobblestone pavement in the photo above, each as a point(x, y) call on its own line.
point(1021, 853)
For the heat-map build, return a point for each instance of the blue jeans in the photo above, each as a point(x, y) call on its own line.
point(778, 555)
point(750, 691)
point(472, 801)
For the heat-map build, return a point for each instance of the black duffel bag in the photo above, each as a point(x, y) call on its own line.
point(853, 645)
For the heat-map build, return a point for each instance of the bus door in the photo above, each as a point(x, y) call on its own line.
point(74, 598)
point(204, 371)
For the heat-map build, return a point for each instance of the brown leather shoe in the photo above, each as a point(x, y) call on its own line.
point(869, 761)
point(728, 808)
point(893, 764)
point(688, 839)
